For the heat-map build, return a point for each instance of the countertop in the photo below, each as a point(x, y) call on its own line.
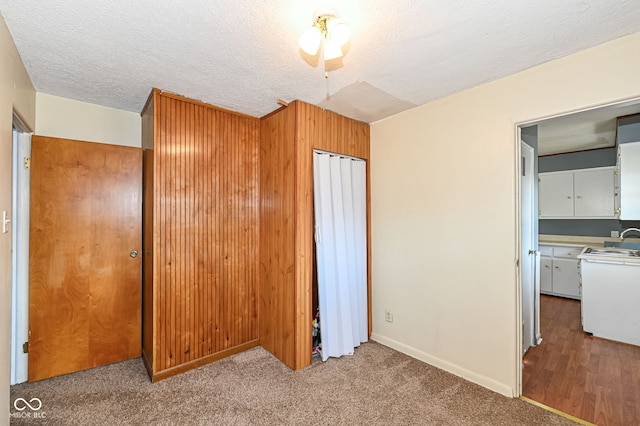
point(574, 240)
point(582, 241)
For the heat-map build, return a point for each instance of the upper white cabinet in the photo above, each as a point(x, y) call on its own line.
point(578, 194)
point(555, 194)
point(629, 160)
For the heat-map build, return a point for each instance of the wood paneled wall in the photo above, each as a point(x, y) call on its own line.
point(288, 138)
point(148, 170)
point(277, 234)
point(204, 220)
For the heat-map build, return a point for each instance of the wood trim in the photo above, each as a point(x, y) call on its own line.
point(203, 104)
point(147, 360)
point(149, 299)
point(150, 102)
point(170, 372)
point(369, 289)
point(279, 109)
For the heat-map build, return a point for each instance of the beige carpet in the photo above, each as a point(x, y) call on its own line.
point(376, 386)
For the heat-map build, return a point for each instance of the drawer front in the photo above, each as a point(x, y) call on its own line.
point(568, 252)
point(545, 250)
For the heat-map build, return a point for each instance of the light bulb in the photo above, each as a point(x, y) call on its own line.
point(310, 40)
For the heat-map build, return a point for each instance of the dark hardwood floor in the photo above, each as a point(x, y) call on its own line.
point(593, 379)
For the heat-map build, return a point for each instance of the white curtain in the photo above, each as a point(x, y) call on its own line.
point(341, 250)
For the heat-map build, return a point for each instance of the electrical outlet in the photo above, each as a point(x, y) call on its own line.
point(615, 234)
point(388, 315)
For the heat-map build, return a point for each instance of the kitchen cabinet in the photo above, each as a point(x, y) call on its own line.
point(559, 270)
point(578, 194)
point(629, 163)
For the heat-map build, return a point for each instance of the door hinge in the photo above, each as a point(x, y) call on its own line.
point(27, 162)
point(25, 348)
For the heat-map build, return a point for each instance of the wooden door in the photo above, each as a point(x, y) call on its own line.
point(85, 284)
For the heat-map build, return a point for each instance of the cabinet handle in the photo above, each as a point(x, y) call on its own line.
point(557, 267)
point(579, 197)
point(546, 266)
point(568, 197)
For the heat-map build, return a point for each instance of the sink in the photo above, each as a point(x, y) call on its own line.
point(612, 252)
point(623, 244)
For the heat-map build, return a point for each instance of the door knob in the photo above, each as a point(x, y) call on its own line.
point(134, 253)
point(532, 251)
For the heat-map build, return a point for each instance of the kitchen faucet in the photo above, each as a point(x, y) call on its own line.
point(627, 230)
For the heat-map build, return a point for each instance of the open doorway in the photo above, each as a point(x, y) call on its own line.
point(21, 152)
point(562, 371)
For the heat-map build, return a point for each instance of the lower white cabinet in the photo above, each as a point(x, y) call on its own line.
point(559, 270)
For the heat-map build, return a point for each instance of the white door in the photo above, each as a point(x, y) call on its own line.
point(528, 252)
point(20, 257)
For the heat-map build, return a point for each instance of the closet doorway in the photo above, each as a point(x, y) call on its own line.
point(340, 232)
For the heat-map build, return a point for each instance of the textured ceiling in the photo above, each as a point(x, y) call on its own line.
point(593, 129)
point(243, 55)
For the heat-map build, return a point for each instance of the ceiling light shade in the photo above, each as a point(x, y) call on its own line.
point(329, 32)
point(338, 31)
point(310, 40)
point(332, 50)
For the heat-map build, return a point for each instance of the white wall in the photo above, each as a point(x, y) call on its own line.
point(16, 93)
point(70, 119)
point(444, 220)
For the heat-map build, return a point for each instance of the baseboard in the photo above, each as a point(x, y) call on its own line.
point(161, 375)
point(147, 363)
point(459, 371)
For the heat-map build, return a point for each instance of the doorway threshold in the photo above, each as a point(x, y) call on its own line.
point(558, 412)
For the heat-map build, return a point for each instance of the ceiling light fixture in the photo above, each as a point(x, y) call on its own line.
point(329, 31)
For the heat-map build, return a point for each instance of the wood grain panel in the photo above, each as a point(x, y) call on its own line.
point(205, 244)
point(85, 307)
point(288, 138)
point(277, 234)
point(324, 130)
point(149, 311)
